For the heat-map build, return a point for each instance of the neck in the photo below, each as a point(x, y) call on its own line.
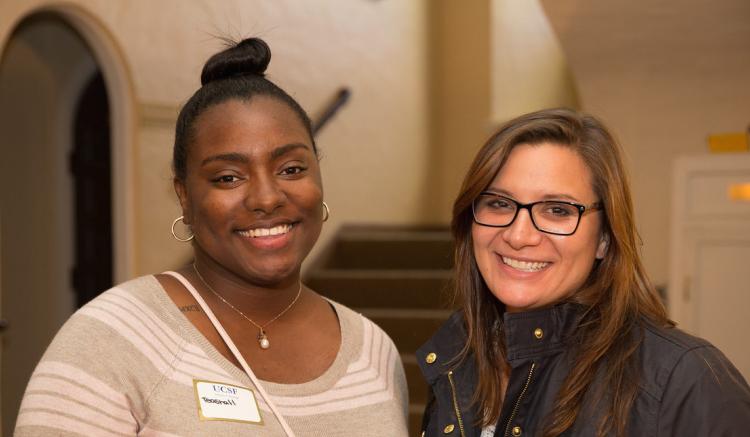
point(257, 299)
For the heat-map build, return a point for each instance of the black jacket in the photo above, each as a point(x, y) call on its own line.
point(687, 387)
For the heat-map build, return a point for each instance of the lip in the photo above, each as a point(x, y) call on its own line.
point(267, 224)
point(512, 271)
point(268, 242)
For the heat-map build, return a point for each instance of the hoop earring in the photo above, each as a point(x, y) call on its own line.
point(327, 212)
point(174, 234)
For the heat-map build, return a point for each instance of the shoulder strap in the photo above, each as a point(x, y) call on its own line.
point(233, 348)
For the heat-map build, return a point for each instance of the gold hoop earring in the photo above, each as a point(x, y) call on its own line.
point(174, 234)
point(327, 212)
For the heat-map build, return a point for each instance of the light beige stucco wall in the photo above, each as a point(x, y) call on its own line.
point(663, 75)
point(491, 60)
point(460, 87)
point(529, 69)
point(371, 151)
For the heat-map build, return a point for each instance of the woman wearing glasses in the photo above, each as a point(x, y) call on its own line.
point(561, 331)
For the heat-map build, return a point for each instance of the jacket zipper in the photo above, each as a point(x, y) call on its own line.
point(455, 403)
point(518, 401)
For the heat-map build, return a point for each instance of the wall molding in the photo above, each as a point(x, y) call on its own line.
point(157, 114)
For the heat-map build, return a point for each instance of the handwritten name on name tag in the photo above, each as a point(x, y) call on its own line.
point(219, 401)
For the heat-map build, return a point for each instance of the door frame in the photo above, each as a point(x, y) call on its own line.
point(111, 60)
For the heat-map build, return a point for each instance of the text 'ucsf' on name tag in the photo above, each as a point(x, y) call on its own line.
point(219, 401)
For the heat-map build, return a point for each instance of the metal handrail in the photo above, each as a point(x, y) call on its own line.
point(342, 96)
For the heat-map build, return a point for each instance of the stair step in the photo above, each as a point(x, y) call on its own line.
point(415, 419)
point(391, 248)
point(384, 288)
point(417, 385)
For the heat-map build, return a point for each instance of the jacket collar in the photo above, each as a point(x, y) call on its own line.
point(528, 335)
point(438, 355)
point(537, 333)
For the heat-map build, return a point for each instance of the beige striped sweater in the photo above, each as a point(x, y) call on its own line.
point(125, 365)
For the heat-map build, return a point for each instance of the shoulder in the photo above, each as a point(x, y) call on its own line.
point(679, 369)
point(372, 352)
point(145, 290)
point(94, 361)
point(664, 347)
point(451, 334)
point(133, 304)
point(367, 343)
point(362, 328)
point(129, 317)
point(439, 352)
point(672, 339)
point(665, 350)
point(698, 390)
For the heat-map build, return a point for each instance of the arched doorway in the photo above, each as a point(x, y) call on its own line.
point(90, 167)
point(53, 90)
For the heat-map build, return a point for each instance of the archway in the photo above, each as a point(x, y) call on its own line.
point(52, 60)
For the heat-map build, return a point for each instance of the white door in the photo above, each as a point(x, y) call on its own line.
point(718, 268)
point(709, 288)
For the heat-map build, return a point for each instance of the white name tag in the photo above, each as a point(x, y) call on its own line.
point(219, 401)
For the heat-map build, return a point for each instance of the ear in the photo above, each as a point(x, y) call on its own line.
point(601, 249)
point(181, 191)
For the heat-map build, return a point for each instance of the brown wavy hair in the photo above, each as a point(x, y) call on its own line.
point(617, 296)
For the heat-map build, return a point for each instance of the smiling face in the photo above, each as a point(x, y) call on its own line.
point(523, 267)
point(252, 194)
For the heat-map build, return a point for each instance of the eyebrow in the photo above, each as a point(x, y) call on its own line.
point(552, 196)
point(244, 159)
point(231, 157)
point(283, 150)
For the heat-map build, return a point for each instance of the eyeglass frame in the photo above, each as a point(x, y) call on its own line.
point(596, 206)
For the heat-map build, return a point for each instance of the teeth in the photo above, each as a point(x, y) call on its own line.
point(265, 232)
point(524, 265)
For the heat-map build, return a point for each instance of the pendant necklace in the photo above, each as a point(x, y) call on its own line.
point(262, 336)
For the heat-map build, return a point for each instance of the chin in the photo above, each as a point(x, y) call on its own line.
point(517, 302)
point(269, 275)
point(277, 275)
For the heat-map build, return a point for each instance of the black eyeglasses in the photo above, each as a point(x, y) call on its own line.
point(549, 216)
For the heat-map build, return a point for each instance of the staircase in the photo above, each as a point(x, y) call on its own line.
point(397, 277)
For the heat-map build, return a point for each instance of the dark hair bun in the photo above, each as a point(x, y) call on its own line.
point(249, 56)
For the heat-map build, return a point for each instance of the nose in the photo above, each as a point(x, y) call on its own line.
point(522, 232)
point(264, 195)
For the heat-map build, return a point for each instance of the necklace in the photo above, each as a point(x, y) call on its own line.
point(262, 337)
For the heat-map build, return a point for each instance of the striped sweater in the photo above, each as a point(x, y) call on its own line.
point(125, 364)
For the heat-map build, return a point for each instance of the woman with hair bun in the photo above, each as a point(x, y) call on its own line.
point(233, 343)
point(560, 330)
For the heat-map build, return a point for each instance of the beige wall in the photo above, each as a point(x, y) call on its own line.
point(459, 97)
point(491, 60)
point(529, 69)
point(663, 75)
